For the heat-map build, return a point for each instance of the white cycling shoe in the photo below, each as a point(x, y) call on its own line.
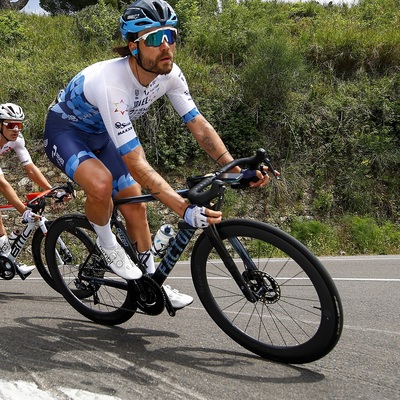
point(25, 269)
point(177, 300)
point(120, 262)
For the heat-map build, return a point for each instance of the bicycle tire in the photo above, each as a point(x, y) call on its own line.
point(298, 317)
point(38, 253)
point(39, 257)
point(103, 303)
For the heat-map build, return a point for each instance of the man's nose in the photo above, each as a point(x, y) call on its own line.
point(165, 43)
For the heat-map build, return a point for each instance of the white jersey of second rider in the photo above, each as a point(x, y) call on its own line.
point(19, 147)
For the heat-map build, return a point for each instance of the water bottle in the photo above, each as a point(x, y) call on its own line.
point(162, 239)
point(13, 236)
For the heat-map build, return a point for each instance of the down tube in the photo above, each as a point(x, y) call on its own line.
point(174, 251)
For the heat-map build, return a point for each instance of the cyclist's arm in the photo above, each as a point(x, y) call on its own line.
point(36, 176)
point(9, 193)
point(155, 184)
point(210, 141)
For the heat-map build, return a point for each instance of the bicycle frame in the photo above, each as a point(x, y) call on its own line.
point(30, 227)
point(179, 243)
point(34, 199)
point(174, 250)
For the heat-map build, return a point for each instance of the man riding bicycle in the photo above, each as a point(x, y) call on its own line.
point(89, 134)
point(11, 124)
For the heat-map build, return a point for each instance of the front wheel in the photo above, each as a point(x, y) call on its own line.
point(295, 315)
point(39, 258)
point(82, 275)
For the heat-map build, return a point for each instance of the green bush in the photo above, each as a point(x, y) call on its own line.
point(97, 23)
point(368, 237)
point(11, 29)
point(320, 238)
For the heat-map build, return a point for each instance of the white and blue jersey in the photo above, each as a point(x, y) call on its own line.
point(100, 104)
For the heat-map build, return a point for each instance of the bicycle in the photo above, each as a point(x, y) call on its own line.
point(261, 286)
point(39, 228)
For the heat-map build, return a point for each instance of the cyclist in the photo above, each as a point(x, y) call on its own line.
point(11, 124)
point(89, 134)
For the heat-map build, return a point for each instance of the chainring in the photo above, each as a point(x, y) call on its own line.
point(7, 269)
point(148, 295)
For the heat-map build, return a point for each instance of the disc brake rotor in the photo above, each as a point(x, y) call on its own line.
point(263, 285)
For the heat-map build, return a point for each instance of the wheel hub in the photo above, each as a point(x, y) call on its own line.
point(263, 285)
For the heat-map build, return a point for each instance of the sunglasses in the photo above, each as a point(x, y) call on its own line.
point(156, 38)
point(12, 125)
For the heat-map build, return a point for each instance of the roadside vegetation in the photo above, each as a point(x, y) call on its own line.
point(317, 86)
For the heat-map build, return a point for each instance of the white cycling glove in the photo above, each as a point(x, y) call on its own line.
point(28, 216)
point(60, 195)
point(196, 216)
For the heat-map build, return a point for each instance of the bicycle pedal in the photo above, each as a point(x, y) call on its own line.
point(168, 306)
point(23, 276)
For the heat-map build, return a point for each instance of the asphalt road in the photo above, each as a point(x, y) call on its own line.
point(48, 351)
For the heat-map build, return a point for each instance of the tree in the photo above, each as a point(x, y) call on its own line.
point(65, 7)
point(16, 5)
point(69, 6)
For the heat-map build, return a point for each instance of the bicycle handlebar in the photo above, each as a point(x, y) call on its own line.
point(197, 195)
point(37, 202)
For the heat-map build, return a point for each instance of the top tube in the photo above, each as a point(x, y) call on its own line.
point(145, 198)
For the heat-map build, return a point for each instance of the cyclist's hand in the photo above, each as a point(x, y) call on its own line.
point(255, 177)
point(201, 217)
point(30, 216)
point(62, 196)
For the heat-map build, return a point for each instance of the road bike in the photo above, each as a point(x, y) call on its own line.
point(260, 285)
point(37, 202)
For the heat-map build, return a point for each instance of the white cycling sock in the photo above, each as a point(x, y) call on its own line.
point(107, 238)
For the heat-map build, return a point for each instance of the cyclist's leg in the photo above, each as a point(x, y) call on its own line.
point(74, 153)
point(136, 220)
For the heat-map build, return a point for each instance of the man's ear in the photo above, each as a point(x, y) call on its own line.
point(133, 48)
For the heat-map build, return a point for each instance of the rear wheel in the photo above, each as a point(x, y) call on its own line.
point(297, 313)
point(82, 276)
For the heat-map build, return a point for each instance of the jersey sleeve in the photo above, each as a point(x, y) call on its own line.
point(21, 151)
point(179, 95)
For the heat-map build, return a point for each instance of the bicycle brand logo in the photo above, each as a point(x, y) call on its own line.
point(123, 238)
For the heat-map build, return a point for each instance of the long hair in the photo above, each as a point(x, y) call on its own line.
point(124, 51)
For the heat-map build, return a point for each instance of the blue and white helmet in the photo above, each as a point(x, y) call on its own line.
point(145, 14)
point(11, 112)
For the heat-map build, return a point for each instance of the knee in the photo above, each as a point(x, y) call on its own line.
point(101, 188)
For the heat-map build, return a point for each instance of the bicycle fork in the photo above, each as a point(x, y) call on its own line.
point(213, 235)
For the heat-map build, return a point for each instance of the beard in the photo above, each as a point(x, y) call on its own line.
point(154, 66)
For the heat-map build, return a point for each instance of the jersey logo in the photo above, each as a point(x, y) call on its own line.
point(121, 107)
point(121, 125)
